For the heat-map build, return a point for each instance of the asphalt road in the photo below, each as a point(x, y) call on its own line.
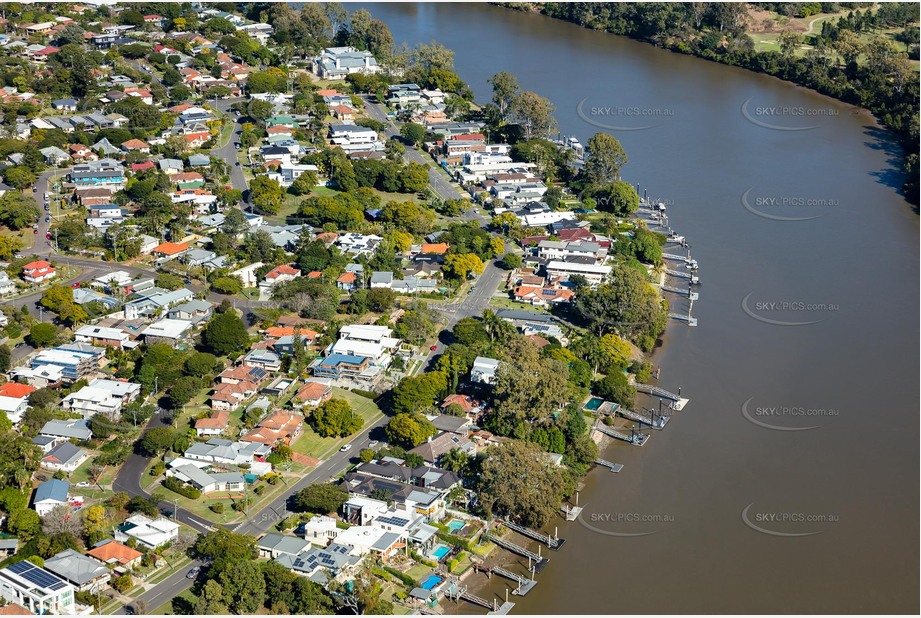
point(261, 521)
point(164, 591)
point(437, 181)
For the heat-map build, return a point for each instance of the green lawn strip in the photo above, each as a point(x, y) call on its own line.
point(313, 445)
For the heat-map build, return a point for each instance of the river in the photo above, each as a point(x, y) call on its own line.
point(832, 512)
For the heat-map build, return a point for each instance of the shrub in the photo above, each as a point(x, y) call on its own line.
point(452, 564)
point(258, 490)
point(363, 393)
point(450, 539)
point(403, 577)
point(175, 485)
point(158, 469)
point(217, 507)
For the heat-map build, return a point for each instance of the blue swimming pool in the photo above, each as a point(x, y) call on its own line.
point(441, 551)
point(456, 524)
point(431, 582)
point(593, 404)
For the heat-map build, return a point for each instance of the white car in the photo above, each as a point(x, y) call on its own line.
point(373, 443)
point(347, 447)
point(83, 484)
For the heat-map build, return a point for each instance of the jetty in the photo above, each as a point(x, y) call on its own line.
point(614, 467)
point(678, 402)
point(692, 263)
point(552, 542)
point(680, 274)
point(688, 292)
point(524, 583)
point(691, 320)
point(456, 592)
point(656, 422)
point(571, 513)
point(539, 561)
point(636, 439)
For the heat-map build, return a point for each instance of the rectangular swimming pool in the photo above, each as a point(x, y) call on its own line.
point(456, 524)
point(593, 404)
point(441, 551)
point(431, 581)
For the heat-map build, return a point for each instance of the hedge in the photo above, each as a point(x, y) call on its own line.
point(454, 540)
point(369, 394)
point(174, 484)
point(403, 577)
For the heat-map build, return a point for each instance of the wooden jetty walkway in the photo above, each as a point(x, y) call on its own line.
point(614, 467)
point(636, 439)
point(552, 542)
point(678, 402)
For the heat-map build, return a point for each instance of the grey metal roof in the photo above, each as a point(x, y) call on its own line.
point(54, 489)
point(75, 567)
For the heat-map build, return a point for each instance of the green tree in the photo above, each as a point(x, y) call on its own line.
point(201, 364)
point(606, 157)
point(459, 266)
point(534, 113)
point(380, 300)
point(412, 132)
point(409, 429)
point(504, 92)
point(334, 417)
point(510, 261)
point(156, 441)
point(266, 194)
point(244, 587)
point(304, 183)
point(17, 211)
point(225, 334)
point(517, 480)
point(227, 285)
point(42, 334)
point(223, 548)
point(615, 387)
point(320, 498)
point(6, 356)
point(210, 601)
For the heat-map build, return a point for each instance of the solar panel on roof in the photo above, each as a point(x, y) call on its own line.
point(394, 521)
point(37, 576)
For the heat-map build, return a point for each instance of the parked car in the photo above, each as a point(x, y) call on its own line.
point(47, 219)
point(35, 230)
point(433, 348)
point(373, 443)
point(83, 484)
point(47, 235)
point(193, 572)
point(75, 285)
point(347, 447)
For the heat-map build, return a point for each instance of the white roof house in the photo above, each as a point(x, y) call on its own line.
point(484, 370)
point(150, 533)
point(167, 328)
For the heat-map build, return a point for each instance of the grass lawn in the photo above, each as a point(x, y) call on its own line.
point(313, 445)
point(25, 236)
point(167, 608)
point(508, 303)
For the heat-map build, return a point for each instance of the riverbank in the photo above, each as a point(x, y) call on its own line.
point(894, 105)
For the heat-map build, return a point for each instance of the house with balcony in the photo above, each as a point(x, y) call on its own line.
point(38, 271)
point(338, 62)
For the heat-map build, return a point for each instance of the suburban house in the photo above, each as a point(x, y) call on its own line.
point(65, 456)
point(70, 429)
point(594, 273)
point(484, 370)
point(84, 573)
point(102, 397)
point(103, 336)
point(213, 425)
point(313, 393)
point(149, 533)
point(38, 271)
point(207, 482)
point(38, 590)
point(338, 62)
point(50, 494)
point(115, 553)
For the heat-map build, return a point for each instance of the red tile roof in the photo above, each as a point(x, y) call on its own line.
point(171, 248)
point(16, 390)
point(113, 551)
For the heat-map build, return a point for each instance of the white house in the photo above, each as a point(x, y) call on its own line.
point(149, 533)
point(484, 370)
